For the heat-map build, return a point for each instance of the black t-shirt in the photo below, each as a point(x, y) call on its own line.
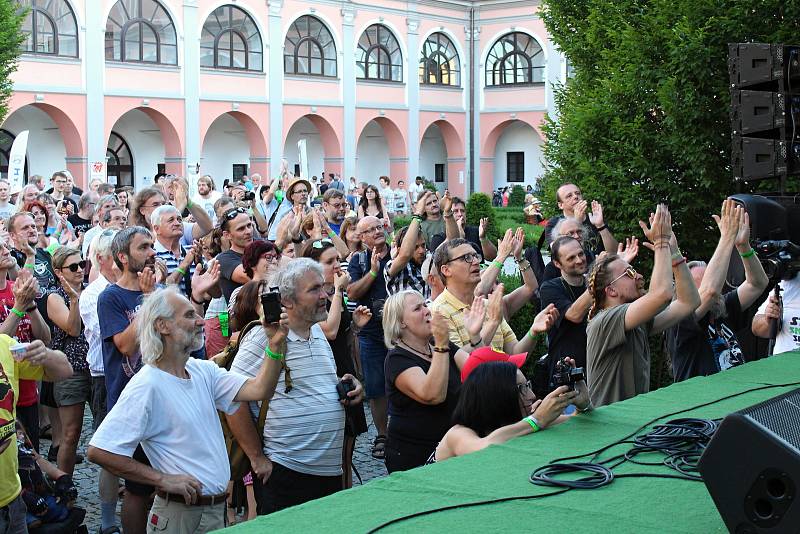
point(411, 421)
point(228, 261)
point(706, 347)
point(565, 338)
point(80, 224)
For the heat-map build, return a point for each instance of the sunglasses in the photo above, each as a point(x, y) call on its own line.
point(75, 266)
point(320, 243)
point(629, 271)
point(469, 257)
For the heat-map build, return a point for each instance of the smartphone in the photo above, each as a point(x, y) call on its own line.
point(271, 304)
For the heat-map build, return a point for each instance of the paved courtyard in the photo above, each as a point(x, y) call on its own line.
point(86, 473)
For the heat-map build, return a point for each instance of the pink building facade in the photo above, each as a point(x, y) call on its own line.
point(454, 91)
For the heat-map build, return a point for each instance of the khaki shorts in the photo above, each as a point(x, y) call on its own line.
point(170, 517)
point(76, 389)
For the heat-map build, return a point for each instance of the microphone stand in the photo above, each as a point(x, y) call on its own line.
point(775, 325)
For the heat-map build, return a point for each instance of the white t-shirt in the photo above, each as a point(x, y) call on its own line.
point(87, 306)
point(789, 335)
point(305, 427)
point(176, 421)
point(400, 200)
point(208, 204)
point(414, 190)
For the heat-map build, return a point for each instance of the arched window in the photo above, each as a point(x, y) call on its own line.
point(141, 31)
point(515, 59)
point(378, 56)
point(230, 40)
point(119, 160)
point(439, 63)
point(50, 28)
point(309, 48)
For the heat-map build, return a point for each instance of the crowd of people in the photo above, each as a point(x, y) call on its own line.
point(265, 316)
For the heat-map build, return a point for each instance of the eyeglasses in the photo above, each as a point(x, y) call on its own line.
point(374, 229)
point(75, 266)
point(521, 388)
point(629, 271)
point(269, 256)
point(469, 257)
point(300, 192)
point(320, 243)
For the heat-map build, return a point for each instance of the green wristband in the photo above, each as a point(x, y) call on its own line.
point(533, 422)
point(18, 313)
point(331, 234)
point(748, 254)
point(180, 271)
point(497, 264)
point(189, 203)
point(373, 274)
point(29, 266)
point(530, 335)
point(273, 355)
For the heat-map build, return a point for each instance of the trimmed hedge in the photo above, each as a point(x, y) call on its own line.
point(516, 198)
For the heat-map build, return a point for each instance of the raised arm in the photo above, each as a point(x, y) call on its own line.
point(755, 279)
point(687, 298)
point(524, 293)
point(716, 271)
point(431, 387)
point(487, 247)
point(649, 305)
point(262, 386)
point(451, 230)
point(598, 221)
point(489, 275)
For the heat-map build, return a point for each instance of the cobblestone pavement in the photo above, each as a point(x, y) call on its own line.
point(86, 474)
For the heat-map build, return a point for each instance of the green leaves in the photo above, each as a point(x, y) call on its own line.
point(10, 40)
point(645, 118)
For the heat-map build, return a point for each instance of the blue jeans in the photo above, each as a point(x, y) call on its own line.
point(12, 517)
point(373, 355)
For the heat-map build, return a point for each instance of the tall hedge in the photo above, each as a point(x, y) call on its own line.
point(516, 198)
point(11, 17)
point(645, 117)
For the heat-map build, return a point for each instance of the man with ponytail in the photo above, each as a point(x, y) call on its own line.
point(623, 314)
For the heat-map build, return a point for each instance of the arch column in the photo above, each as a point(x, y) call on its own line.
point(275, 86)
point(191, 84)
point(412, 36)
point(348, 92)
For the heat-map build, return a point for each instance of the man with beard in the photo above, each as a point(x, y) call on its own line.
point(25, 237)
point(117, 308)
point(170, 410)
point(333, 205)
point(206, 196)
point(404, 271)
point(623, 314)
point(572, 204)
point(568, 294)
point(705, 342)
point(302, 443)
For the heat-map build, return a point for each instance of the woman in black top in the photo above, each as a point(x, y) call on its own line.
point(422, 379)
point(339, 329)
point(371, 204)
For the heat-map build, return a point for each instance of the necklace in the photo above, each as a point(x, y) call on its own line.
point(568, 287)
point(428, 354)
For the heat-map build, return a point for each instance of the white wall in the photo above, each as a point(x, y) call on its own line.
point(147, 147)
point(46, 152)
point(305, 129)
point(518, 137)
point(225, 144)
point(372, 154)
point(432, 150)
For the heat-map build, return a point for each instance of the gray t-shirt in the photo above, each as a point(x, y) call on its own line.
point(618, 362)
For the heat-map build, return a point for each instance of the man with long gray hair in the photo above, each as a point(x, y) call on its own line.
point(300, 458)
point(170, 408)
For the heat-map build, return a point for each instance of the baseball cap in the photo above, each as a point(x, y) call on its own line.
point(488, 354)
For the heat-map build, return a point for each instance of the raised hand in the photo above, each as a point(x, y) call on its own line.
point(494, 309)
point(25, 289)
point(446, 204)
point(180, 194)
point(743, 235)
point(160, 271)
point(419, 207)
point(596, 216)
point(202, 283)
point(629, 250)
point(544, 319)
point(440, 330)
point(340, 280)
point(482, 225)
point(375, 261)
point(277, 332)
point(505, 246)
point(361, 316)
point(473, 318)
point(728, 220)
point(579, 211)
point(68, 289)
point(660, 230)
point(519, 242)
point(548, 409)
point(147, 280)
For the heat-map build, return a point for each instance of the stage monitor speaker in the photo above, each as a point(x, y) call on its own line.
point(751, 467)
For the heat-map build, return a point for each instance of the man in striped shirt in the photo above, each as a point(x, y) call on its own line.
point(300, 458)
point(167, 225)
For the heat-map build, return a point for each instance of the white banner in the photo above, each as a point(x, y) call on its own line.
point(303, 158)
point(16, 162)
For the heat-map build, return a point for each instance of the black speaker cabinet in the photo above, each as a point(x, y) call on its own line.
point(751, 467)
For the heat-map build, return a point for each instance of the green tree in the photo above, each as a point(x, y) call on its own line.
point(645, 118)
point(516, 198)
point(11, 38)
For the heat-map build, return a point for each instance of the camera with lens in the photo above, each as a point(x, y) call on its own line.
point(779, 258)
point(248, 195)
point(565, 375)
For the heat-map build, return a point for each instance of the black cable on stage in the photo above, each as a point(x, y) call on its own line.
point(682, 461)
point(464, 505)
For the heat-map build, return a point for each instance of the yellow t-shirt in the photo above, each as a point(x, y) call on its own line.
point(453, 309)
point(11, 371)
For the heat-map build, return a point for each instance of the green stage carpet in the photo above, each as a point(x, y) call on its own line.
point(627, 505)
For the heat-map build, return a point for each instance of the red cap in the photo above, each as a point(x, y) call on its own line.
point(488, 354)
